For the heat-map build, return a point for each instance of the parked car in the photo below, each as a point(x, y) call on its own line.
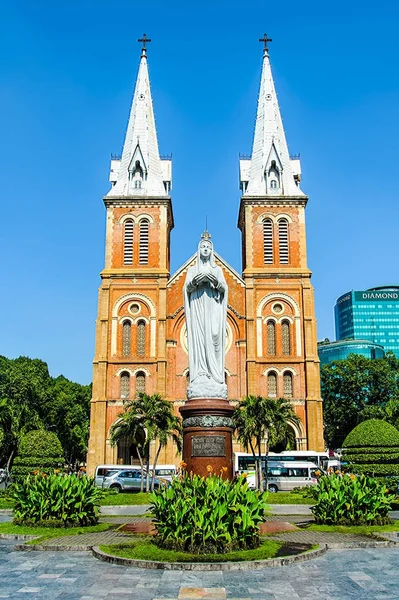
point(128, 480)
point(101, 470)
point(284, 476)
point(165, 471)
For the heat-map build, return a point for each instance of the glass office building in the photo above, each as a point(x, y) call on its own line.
point(329, 351)
point(369, 315)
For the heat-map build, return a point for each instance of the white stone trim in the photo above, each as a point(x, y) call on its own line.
point(146, 320)
point(127, 217)
point(278, 296)
point(280, 370)
point(264, 216)
point(126, 318)
point(284, 216)
point(123, 370)
point(144, 216)
point(141, 370)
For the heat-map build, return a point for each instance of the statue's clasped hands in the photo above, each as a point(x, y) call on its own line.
point(203, 278)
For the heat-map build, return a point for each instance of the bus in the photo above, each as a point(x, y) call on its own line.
point(245, 463)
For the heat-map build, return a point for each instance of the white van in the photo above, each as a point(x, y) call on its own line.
point(102, 469)
point(166, 472)
point(285, 475)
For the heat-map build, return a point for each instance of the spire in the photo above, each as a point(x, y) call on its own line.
point(140, 171)
point(269, 171)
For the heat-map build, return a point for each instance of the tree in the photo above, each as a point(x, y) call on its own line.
point(38, 450)
point(357, 389)
point(144, 420)
point(263, 422)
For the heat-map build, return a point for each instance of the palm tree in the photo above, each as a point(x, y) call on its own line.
point(130, 426)
point(263, 421)
point(144, 420)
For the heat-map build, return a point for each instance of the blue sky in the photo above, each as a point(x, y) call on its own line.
point(67, 72)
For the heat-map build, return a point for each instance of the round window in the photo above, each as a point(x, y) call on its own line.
point(277, 308)
point(134, 308)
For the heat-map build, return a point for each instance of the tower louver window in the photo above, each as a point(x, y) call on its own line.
point(268, 241)
point(272, 385)
point(128, 242)
point(283, 241)
point(125, 385)
point(141, 338)
point(144, 230)
point(126, 338)
point(140, 383)
point(286, 341)
point(287, 385)
point(271, 338)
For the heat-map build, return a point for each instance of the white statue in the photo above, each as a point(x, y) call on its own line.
point(205, 305)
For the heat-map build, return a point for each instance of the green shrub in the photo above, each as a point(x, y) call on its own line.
point(66, 499)
point(351, 500)
point(37, 451)
point(372, 448)
point(207, 515)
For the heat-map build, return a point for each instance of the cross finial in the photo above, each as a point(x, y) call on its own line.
point(206, 235)
point(144, 40)
point(265, 39)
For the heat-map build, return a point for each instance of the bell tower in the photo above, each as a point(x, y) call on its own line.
point(130, 352)
point(281, 349)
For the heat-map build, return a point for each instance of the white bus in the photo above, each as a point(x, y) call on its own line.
point(245, 463)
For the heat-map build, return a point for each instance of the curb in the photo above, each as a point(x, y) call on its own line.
point(16, 536)
point(226, 566)
point(6, 511)
point(38, 547)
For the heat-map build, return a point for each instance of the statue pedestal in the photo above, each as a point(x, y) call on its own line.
point(207, 436)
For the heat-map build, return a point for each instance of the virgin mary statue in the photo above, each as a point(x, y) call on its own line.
point(205, 306)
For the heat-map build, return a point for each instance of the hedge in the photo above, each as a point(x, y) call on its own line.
point(38, 450)
point(373, 432)
point(372, 448)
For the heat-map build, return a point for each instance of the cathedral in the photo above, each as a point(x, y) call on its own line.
point(141, 336)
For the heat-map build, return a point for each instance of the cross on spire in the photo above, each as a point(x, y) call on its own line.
point(144, 40)
point(265, 39)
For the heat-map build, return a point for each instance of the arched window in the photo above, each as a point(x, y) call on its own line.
point(287, 384)
point(143, 255)
point(271, 338)
point(128, 242)
point(283, 241)
point(273, 184)
point(126, 337)
point(125, 385)
point(272, 384)
point(140, 383)
point(268, 241)
point(141, 338)
point(286, 339)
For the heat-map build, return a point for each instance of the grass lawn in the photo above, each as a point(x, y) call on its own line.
point(51, 532)
point(126, 498)
point(146, 550)
point(355, 529)
point(288, 498)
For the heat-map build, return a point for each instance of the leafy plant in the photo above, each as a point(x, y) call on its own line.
point(206, 515)
point(66, 500)
point(351, 500)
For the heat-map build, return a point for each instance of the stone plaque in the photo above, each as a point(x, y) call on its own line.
point(208, 445)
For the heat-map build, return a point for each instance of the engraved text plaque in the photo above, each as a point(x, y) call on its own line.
point(208, 445)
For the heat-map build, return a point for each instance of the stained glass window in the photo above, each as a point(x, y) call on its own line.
point(285, 333)
point(141, 325)
point(140, 383)
point(125, 385)
point(272, 384)
point(126, 337)
point(287, 382)
point(271, 338)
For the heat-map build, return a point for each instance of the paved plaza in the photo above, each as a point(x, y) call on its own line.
point(339, 575)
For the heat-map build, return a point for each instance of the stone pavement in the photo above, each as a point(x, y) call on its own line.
point(363, 574)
